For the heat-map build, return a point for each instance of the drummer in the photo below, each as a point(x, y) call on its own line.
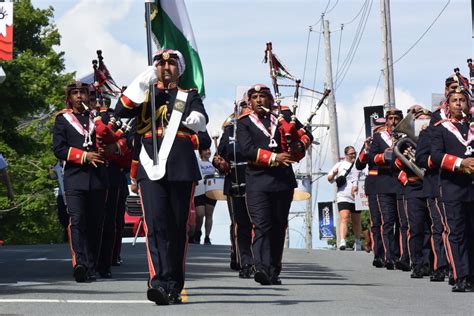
point(204, 206)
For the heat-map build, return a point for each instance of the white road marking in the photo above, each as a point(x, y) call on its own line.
point(23, 283)
point(75, 301)
point(46, 259)
point(129, 240)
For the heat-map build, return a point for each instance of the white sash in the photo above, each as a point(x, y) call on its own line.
point(156, 172)
point(386, 137)
point(273, 124)
point(72, 119)
point(454, 130)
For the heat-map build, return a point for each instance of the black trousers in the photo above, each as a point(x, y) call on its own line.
point(241, 230)
point(86, 210)
point(418, 216)
point(166, 207)
point(388, 210)
point(460, 224)
point(404, 255)
point(438, 234)
point(269, 214)
point(375, 227)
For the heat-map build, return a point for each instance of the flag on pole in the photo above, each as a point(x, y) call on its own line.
point(6, 30)
point(172, 29)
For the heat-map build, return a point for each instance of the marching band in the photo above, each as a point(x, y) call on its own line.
point(420, 183)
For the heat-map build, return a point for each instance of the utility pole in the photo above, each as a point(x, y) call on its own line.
point(309, 202)
point(389, 94)
point(331, 106)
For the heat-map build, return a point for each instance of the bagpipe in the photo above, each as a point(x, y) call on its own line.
point(109, 128)
point(291, 135)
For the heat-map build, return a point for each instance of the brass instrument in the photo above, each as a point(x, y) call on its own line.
point(406, 126)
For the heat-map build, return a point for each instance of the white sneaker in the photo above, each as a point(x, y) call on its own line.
point(357, 246)
point(342, 244)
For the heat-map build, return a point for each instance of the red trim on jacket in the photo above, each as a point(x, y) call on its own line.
point(449, 162)
point(76, 155)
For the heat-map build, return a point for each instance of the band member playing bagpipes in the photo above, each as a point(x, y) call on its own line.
point(165, 177)
point(270, 180)
point(112, 142)
point(229, 161)
point(85, 178)
point(451, 149)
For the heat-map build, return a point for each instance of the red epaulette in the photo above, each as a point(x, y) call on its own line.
point(284, 108)
point(441, 122)
point(66, 110)
point(103, 109)
point(245, 113)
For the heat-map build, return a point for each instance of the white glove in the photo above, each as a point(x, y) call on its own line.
point(138, 89)
point(195, 122)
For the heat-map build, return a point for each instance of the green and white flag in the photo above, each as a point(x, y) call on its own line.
point(172, 30)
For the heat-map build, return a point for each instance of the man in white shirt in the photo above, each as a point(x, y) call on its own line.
point(345, 196)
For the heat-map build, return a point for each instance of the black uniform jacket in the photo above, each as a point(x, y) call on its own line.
point(445, 149)
point(361, 162)
point(226, 151)
point(68, 146)
point(386, 181)
point(253, 142)
point(182, 164)
point(423, 160)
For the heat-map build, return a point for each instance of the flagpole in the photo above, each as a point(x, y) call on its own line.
point(148, 4)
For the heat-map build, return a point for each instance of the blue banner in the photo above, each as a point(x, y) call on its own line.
point(3, 162)
point(326, 220)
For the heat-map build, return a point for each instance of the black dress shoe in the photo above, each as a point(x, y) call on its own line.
point(275, 280)
point(451, 278)
point(175, 298)
point(80, 273)
point(158, 295)
point(459, 286)
point(437, 276)
point(246, 272)
point(378, 263)
point(105, 274)
point(117, 262)
point(234, 266)
point(262, 277)
point(417, 274)
point(91, 275)
point(390, 265)
point(400, 265)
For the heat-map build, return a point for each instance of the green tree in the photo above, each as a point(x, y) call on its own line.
point(32, 92)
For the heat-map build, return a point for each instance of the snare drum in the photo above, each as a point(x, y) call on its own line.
point(303, 190)
point(215, 187)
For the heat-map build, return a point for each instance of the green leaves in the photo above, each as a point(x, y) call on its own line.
point(32, 92)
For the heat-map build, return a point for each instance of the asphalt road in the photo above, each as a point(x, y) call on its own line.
point(37, 280)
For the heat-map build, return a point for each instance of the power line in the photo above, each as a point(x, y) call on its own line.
point(357, 46)
point(322, 14)
point(339, 49)
point(316, 66)
point(327, 12)
point(422, 35)
point(360, 11)
point(304, 68)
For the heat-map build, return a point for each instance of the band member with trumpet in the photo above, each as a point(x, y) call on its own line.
point(166, 188)
point(431, 193)
point(451, 149)
point(370, 190)
point(229, 161)
point(85, 179)
point(270, 180)
point(411, 177)
point(381, 154)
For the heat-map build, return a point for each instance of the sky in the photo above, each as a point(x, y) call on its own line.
point(231, 37)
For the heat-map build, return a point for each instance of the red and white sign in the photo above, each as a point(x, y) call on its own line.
point(6, 30)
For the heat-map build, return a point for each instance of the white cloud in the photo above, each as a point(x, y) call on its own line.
point(86, 27)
